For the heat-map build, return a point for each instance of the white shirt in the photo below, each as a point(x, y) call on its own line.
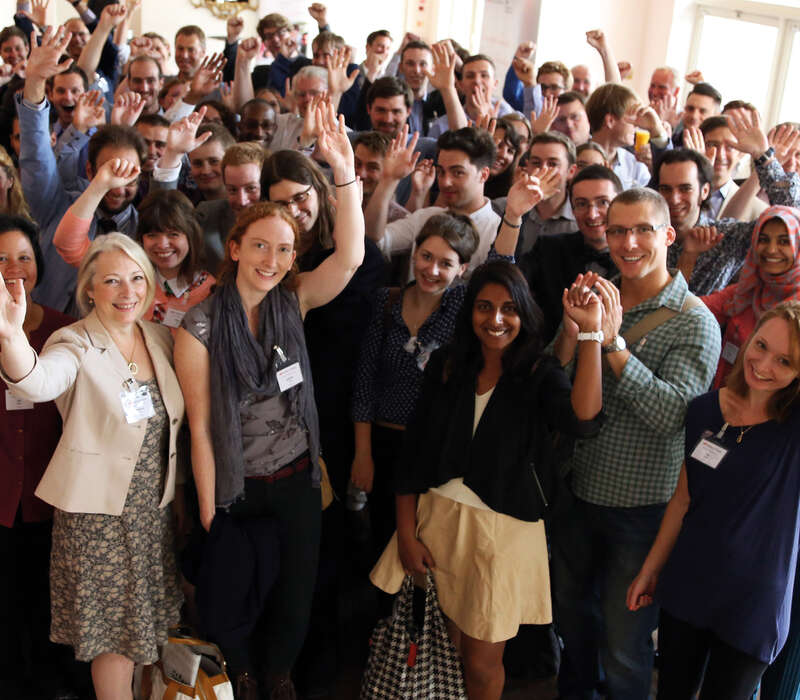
point(630, 171)
point(400, 235)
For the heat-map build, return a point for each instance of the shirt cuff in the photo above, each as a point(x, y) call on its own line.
point(166, 174)
point(36, 107)
point(660, 143)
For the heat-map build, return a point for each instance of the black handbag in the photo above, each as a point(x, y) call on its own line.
point(404, 663)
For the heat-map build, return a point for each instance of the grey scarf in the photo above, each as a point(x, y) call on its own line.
point(240, 365)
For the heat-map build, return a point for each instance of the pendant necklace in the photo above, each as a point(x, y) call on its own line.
point(133, 368)
point(742, 431)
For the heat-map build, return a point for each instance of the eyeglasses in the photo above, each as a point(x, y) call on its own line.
point(643, 230)
point(296, 200)
point(584, 204)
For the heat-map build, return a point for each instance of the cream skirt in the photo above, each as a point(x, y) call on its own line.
point(491, 569)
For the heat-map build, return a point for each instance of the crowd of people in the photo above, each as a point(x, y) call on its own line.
point(537, 328)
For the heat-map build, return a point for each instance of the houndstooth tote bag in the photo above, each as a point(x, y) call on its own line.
point(404, 664)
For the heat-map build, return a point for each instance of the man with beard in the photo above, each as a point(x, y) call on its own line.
point(47, 196)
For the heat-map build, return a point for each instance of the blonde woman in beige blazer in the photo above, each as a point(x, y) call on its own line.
point(113, 577)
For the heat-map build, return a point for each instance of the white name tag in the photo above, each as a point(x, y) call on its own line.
point(289, 376)
point(173, 317)
point(137, 404)
point(730, 352)
point(709, 453)
point(14, 403)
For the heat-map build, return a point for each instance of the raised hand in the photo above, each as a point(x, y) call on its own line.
point(442, 77)
point(701, 239)
point(112, 15)
point(207, 78)
point(481, 102)
point(424, 176)
point(695, 77)
point(7, 72)
point(286, 100)
point(182, 135)
point(486, 122)
point(333, 144)
point(596, 38)
point(12, 308)
point(747, 132)
point(248, 49)
point(523, 69)
point(233, 28)
point(645, 117)
point(400, 159)
point(38, 12)
point(526, 50)
point(667, 109)
point(310, 131)
point(127, 108)
point(612, 308)
point(89, 111)
point(524, 195)
point(227, 97)
point(43, 61)
point(319, 13)
point(582, 305)
point(141, 46)
point(115, 173)
point(785, 139)
point(625, 69)
point(338, 80)
point(546, 117)
point(693, 139)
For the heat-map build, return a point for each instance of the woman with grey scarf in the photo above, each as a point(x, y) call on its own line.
point(242, 363)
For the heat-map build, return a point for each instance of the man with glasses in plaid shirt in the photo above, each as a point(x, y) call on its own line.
point(623, 478)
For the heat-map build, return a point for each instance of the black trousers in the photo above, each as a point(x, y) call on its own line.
point(687, 651)
point(282, 629)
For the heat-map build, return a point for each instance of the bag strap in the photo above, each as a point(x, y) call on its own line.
point(661, 315)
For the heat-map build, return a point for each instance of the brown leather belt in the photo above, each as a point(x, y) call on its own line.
point(298, 465)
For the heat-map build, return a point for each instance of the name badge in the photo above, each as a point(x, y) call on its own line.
point(14, 403)
point(137, 404)
point(289, 376)
point(173, 317)
point(709, 453)
point(730, 352)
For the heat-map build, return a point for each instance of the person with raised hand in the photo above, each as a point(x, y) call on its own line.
point(98, 58)
point(114, 471)
point(243, 468)
point(473, 478)
point(46, 190)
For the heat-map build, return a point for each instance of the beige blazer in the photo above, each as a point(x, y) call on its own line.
point(755, 207)
point(81, 369)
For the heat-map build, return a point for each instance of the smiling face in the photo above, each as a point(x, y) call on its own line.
point(495, 319)
point(638, 255)
point(205, 164)
point(768, 361)
point(380, 47)
point(552, 84)
point(189, 54)
point(697, 108)
point(414, 66)
point(167, 250)
point(553, 156)
point(369, 166)
point(243, 185)
point(679, 184)
point(305, 88)
point(17, 261)
point(301, 201)
point(662, 83)
point(581, 80)
point(13, 51)
point(80, 35)
point(774, 252)
point(155, 138)
point(572, 122)
point(388, 114)
point(460, 182)
point(478, 74)
point(590, 202)
point(725, 156)
point(118, 288)
point(259, 123)
point(67, 87)
point(505, 153)
point(436, 265)
point(264, 255)
point(144, 79)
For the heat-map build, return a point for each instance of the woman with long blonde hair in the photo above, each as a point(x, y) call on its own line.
point(12, 201)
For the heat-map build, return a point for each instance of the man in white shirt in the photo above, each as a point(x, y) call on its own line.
point(464, 158)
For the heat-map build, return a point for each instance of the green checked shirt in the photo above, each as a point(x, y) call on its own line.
point(636, 458)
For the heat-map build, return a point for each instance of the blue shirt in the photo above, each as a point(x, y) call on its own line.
point(732, 568)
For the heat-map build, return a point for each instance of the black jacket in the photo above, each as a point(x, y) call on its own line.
point(511, 463)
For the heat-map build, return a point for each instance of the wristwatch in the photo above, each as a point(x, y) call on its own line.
point(617, 344)
point(593, 335)
point(765, 156)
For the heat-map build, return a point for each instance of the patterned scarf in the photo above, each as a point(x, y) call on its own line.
point(759, 289)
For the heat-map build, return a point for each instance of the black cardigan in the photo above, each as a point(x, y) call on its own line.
point(511, 462)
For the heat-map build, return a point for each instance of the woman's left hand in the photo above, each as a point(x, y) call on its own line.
point(333, 144)
point(582, 305)
point(641, 591)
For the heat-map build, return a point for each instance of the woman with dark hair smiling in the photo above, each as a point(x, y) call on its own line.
point(473, 474)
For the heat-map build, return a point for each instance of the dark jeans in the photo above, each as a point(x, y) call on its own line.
point(686, 651)
point(297, 507)
point(596, 553)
